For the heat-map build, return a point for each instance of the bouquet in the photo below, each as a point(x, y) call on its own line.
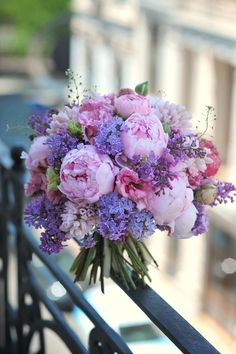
point(111, 169)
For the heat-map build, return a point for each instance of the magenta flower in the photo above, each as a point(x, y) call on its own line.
point(86, 175)
point(129, 185)
point(38, 153)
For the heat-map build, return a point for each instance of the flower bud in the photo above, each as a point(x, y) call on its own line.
point(206, 194)
point(142, 89)
point(52, 178)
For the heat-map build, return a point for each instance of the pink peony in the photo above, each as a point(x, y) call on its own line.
point(185, 222)
point(86, 175)
point(168, 206)
point(126, 105)
point(142, 135)
point(130, 186)
point(38, 153)
point(212, 154)
point(93, 112)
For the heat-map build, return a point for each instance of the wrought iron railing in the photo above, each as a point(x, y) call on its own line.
point(19, 324)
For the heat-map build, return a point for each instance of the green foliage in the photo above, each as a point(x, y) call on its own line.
point(28, 16)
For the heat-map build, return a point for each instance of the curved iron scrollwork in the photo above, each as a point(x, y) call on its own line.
point(18, 327)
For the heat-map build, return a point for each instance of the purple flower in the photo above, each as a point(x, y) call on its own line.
point(59, 145)
point(88, 241)
point(201, 223)
point(108, 139)
point(141, 225)
point(41, 213)
point(114, 213)
point(224, 193)
point(183, 147)
point(39, 123)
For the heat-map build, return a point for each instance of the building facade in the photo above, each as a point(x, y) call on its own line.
point(187, 52)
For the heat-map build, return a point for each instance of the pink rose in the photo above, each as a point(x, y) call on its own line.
point(86, 175)
point(142, 135)
point(93, 112)
point(130, 186)
point(126, 105)
point(38, 153)
point(168, 206)
point(185, 222)
point(213, 155)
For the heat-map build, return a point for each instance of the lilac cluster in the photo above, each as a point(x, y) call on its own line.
point(108, 139)
point(141, 225)
point(59, 145)
point(201, 223)
point(40, 123)
point(226, 192)
point(158, 171)
point(114, 212)
point(184, 147)
point(41, 213)
point(88, 241)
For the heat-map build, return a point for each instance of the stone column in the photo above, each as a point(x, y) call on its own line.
point(231, 155)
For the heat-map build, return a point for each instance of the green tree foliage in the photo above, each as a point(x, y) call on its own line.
point(28, 17)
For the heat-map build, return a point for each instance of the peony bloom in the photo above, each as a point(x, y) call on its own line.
point(213, 166)
point(175, 115)
point(38, 153)
point(185, 222)
point(86, 175)
point(168, 206)
point(93, 113)
point(129, 185)
point(126, 105)
point(143, 135)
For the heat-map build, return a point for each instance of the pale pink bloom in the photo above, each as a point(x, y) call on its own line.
point(126, 105)
point(86, 175)
point(78, 220)
point(131, 186)
point(93, 112)
point(142, 135)
point(185, 222)
point(170, 204)
point(175, 115)
point(38, 153)
point(61, 119)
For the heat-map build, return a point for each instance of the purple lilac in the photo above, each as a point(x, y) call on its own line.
point(224, 193)
point(59, 145)
point(183, 147)
point(87, 242)
point(141, 225)
point(114, 213)
point(108, 140)
point(41, 213)
point(157, 171)
point(201, 223)
point(39, 123)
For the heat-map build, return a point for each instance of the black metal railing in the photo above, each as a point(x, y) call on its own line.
point(19, 323)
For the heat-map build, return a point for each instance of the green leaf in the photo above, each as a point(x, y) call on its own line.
point(166, 128)
point(52, 178)
point(142, 89)
point(74, 128)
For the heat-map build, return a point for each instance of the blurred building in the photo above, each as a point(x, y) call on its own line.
point(186, 49)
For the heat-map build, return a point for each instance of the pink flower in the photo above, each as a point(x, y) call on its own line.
point(212, 154)
point(86, 175)
point(168, 206)
point(142, 135)
point(185, 222)
point(126, 105)
point(93, 112)
point(38, 183)
point(130, 186)
point(38, 153)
